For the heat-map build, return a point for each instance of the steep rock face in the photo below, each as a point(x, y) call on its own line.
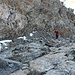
point(10, 21)
point(22, 16)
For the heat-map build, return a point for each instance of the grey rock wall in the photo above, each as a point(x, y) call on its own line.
point(22, 16)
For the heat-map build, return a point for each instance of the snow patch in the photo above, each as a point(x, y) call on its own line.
point(31, 34)
point(34, 31)
point(5, 41)
point(24, 38)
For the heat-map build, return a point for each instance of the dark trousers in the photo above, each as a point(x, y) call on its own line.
point(56, 36)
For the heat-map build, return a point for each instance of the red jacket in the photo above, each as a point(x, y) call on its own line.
point(57, 32)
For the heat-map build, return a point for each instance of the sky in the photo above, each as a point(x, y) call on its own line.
point(69, 4)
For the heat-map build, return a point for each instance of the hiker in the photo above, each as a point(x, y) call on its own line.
point(57, 33)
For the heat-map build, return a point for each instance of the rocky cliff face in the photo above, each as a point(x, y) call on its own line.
point(37, 52)
point(22, 16)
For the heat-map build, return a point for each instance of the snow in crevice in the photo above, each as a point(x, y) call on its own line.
point(24, 38)
point(4, 43)
point(32, 33)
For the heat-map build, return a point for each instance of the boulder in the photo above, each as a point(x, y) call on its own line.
point(47, 62)
point(9, 66)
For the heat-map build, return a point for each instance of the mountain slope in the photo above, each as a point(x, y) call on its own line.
point(22, 16)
